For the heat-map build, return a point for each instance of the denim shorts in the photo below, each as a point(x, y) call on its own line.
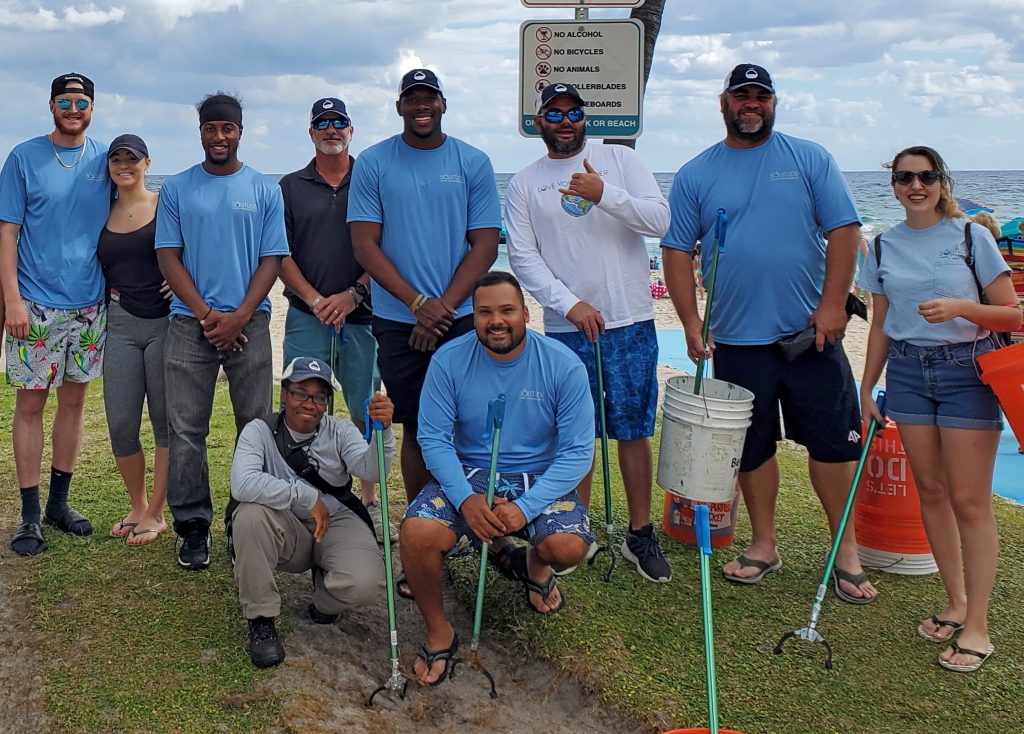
point(940, 386)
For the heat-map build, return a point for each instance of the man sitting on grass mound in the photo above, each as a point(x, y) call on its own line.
point(292, 507)
point(546, 448)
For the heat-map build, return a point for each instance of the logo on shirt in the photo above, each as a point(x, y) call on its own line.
point(783, 175)
point(576, 206)
point(98, 177)
point(531, 394)
point(960, 251)
point(246, 206)
point(452, 178)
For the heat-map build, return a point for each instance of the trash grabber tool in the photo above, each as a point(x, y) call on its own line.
point(397, 681)
point(702, 523)
point(608, 525)
point(709, 281)
point(495, 419)
point(810, 632)
point(333, 337)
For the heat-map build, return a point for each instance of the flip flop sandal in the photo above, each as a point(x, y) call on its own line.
point(28, 539)
point(402, 587)
point(135, 533)
point(764, 568)
point(970, 667)
point(70, 521)
point(857, 580)
point(939, 624)
point(544, 591)
point(447, 655)
point(510, 562)
point(122, 525)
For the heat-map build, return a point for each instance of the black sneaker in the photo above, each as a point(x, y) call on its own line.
point(265, 649)
point(194, 553)
point(641, 548)
point(320, 617)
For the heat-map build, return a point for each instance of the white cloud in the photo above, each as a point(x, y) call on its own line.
point(42, 20)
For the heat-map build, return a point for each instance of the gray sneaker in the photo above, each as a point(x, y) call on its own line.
point(378, 523)
point(641, 548)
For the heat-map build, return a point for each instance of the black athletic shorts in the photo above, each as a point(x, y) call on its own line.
point(402, 368)
point(817, 394)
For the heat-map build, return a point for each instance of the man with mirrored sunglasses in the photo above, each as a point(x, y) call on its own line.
point(576, 221)
point(293, 509)
point(327, 289)
point(54, 201)
point(791, 244)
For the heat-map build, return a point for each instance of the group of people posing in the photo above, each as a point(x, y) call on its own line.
point(386, 266)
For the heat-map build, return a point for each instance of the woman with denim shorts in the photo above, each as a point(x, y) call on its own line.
point(930, 325)
point(133, 361)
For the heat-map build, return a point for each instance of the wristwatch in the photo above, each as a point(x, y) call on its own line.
point(361, 289)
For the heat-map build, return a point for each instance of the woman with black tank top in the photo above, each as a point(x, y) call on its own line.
point(133, 360)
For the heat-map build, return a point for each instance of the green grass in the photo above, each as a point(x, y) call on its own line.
point(137, 645)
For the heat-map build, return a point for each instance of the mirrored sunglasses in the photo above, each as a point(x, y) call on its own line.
point(80, 104)
point(555, 116)
point(340, 123)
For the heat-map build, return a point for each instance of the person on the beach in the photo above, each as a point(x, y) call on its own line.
point(291, 478)
point(54, 199)
point(930, 325)
point(220, 238)
point(791, 246)
point(425, 217)
point(327, 289)
point(546, 447)
point(133, 359)
point(576, 221)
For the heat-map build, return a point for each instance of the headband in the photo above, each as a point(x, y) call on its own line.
point(221, 112)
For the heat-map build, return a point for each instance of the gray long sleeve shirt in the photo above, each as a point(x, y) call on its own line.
point(260, 474)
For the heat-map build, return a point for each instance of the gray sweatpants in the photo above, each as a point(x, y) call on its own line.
point(266, 540)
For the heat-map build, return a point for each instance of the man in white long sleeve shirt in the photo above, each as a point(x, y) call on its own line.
point(291, 479)
point(576, 221)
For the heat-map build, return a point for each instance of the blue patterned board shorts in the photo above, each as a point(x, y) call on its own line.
point(567, 514)
point(629, 356)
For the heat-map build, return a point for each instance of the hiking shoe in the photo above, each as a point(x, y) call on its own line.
point(378, 524)
point(194, 554)
point(265, 649)
point(321, 617)
point(641, 548)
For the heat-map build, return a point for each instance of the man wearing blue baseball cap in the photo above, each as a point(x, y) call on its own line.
point(293, 508)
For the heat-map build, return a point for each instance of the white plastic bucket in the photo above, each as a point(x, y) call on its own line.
point(702, 438)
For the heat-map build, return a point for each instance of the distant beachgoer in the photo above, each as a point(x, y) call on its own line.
point(930, 328)
point(54, 199)
point(579, 250)
point(774, 281)
point(425, 217)
point(220, 237)
point(990, 223)
point(327, 289)
point(698, 269)
point(287, 521)
point(133, 360)
point(546, 448)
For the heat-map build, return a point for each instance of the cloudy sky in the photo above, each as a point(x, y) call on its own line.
point(863, 78)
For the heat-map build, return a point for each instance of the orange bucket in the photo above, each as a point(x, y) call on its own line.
point(1003, 371)
point(677, 519)
point(890, 534)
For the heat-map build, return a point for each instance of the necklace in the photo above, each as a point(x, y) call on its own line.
point(60, 160)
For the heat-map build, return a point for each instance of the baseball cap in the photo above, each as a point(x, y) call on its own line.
point(557, 90)
point(132, 143)
point(325, 105)
point(306, 368)
point(745, 74)
point(59, 85)
point(419, 78)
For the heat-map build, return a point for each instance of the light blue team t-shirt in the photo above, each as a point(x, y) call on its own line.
point(425, 201)
point(61, 212)
point(921, 264)
point(780, 198)
point(224, 225)
point(549, 417)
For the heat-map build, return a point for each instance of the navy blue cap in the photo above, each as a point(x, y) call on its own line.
point(132, 143)
point(419, 78)
point(328, 104)
point(745, 74)
point(306, 368)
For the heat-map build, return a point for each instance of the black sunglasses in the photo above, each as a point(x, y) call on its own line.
point(340, 123)
point(555, 116)
point(905, 178)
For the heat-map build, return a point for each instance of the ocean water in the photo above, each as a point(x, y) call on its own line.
point(879, 210)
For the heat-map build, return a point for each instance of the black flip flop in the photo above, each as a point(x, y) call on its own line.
point(543, 591)
point(402, 587)
point(510, 562)
point(857, 580)
point(71, 521)
point(447, 655)
point(28, 539)
point(764, 568)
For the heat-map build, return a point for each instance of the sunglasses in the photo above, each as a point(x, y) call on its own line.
point(340, 123)
point(905, 178)
point(320, 398)
point(80, 104)
point(555, 116)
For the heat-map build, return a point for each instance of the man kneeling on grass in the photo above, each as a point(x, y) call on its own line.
point(547, 446)
point(293, 507)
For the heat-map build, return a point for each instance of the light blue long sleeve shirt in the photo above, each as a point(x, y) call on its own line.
point(549, 418)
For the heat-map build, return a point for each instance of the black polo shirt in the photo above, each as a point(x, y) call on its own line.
point(319, 236)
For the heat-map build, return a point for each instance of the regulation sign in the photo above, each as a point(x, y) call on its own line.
point(603, 59)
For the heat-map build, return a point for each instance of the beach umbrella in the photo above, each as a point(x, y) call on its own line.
point(971, 207)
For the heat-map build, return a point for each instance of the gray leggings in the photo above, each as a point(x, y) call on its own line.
point(133, 370)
